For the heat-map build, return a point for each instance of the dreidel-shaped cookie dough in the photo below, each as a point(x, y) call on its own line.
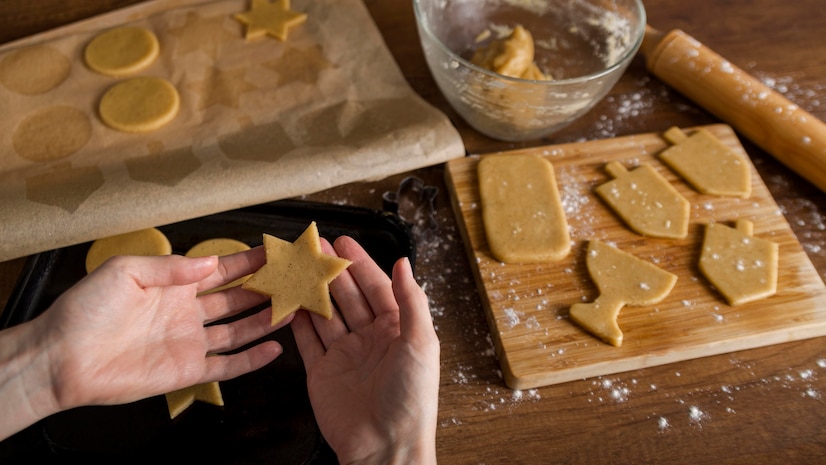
point(622, 279)
point(646, 201)
point(707, 164)
point(741, 267)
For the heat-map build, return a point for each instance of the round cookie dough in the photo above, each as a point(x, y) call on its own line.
point(121, 51)
point(219, 246)
point(139, 104)
point(34, 70)
point(145, 242)
point(52, 133)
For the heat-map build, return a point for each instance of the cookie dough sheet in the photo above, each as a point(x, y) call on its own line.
point(259, 120)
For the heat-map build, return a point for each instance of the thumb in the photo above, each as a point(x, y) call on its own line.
point(414, 312)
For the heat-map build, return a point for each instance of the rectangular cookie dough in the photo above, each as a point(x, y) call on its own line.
point(521, 209)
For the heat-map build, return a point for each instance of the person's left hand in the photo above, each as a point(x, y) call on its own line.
point(136, 327)
point(373, 368)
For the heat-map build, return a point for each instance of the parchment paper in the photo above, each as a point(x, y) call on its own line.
point(259, 121)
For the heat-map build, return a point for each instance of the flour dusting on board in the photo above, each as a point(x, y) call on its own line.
point(575, 197)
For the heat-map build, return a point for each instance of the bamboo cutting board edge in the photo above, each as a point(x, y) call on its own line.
point(526, 305)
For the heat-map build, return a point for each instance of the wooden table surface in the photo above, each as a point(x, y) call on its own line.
point(765, 405)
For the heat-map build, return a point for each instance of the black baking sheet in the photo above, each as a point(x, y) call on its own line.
point(267, 416)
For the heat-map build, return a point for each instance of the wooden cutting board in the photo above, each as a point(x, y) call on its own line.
point(527, 304)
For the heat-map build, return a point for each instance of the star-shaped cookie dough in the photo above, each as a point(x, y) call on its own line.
point(265, 18)
point(180, 400)
point(297, 275)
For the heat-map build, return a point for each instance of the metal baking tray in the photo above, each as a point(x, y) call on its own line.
point(267, 416)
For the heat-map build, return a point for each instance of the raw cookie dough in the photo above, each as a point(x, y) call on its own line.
point(297, 275)
point(622, 279)
point(512, 56)
point(34, 70)
point(180, 400)
point(705, 162)
point(52, 133)
point(122, 50)
point(521, 209)
point(139, 104)
point(145, 242)
point(741, 267)
point(265, 18)
point(645, 200)
point(219, 246)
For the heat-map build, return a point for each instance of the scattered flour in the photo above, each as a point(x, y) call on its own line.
point(610, 390)
point(807, 98)
point(575, 197)
point(504, 398)
point(513, 317)
point(695, 414)
point(801, 381)
point(625, 113)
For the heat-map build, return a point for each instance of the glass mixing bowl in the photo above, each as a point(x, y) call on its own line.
point(585, 45)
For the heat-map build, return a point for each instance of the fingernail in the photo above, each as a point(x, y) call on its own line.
point(408, 269)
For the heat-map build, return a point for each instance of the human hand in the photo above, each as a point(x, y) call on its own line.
point(373, 369)
point(134, 328)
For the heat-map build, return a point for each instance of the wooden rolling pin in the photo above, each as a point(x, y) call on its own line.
point(790, 134)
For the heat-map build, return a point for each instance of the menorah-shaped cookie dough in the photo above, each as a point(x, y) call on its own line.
point(741, 267)
point(646, 201)
point(705, 162)
point(622, 279)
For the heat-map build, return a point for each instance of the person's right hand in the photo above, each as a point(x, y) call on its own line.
point(373, 369)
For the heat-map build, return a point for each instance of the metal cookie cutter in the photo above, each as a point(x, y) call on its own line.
point(426, 194)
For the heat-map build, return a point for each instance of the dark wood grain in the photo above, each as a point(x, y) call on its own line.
point(765, 405)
